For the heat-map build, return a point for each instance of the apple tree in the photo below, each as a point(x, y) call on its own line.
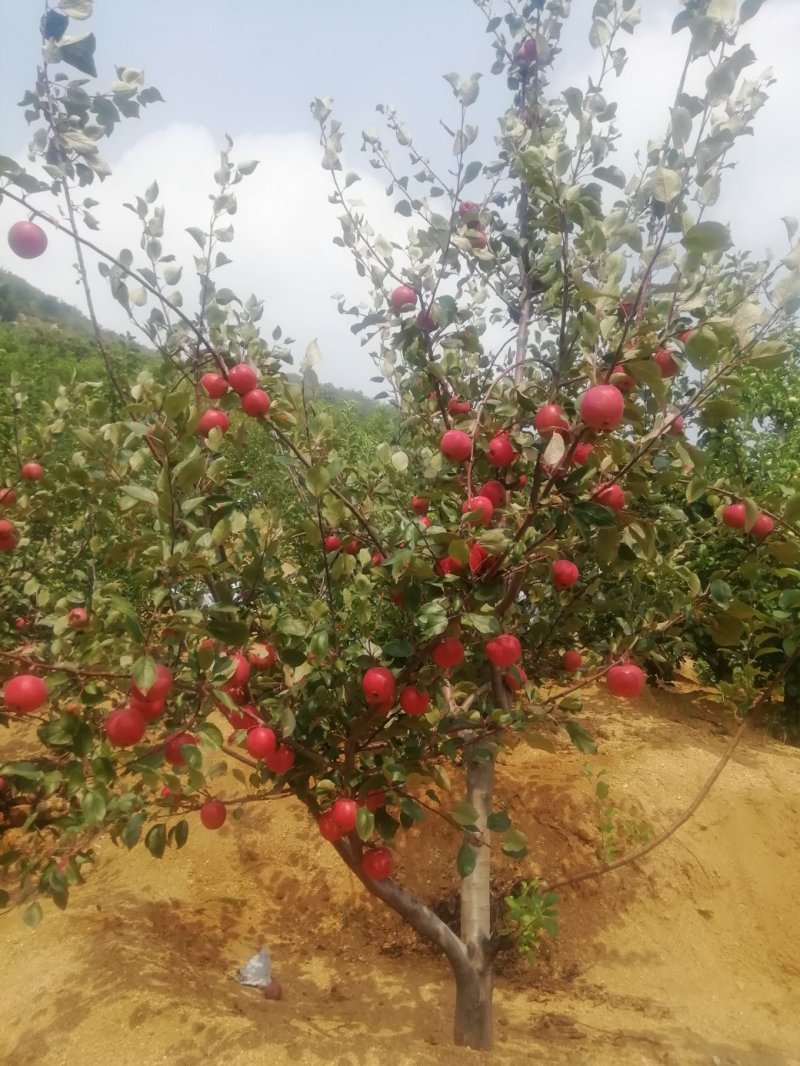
point(371, 629)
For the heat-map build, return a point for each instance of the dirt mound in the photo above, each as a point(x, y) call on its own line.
point(693, 958)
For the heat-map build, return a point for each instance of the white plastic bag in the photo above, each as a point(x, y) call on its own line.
point(256, 972)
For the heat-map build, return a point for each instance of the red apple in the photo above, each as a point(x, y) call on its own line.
point(500, 451)
point(255, 403)
point(150, 710)
point(622, 379)
point(478, 238)
point(496, 492)
point(78, 618)
point(515, 679)
point(478, 510)
point(25, 693)
point(214, 385)
point(27, 240)
point(377, 558)
point(172, 749)
point(425, 322)
point(281, 761)
point(261, 656)
point(525, 52)
point(448, 653)
point(245, 718)
point(125, 727)
point(572, 660)
point(261, 742)
point(344, 813)
point(241, 672)
point(424, 521)
point(581, 453)
point(602, 407)
point(20, 623)
point(625, 680)
point(449, 565)
point(676, 425)
point(328, 829)
point(687, 335)
point(610, 496)
point(332, 543)
point(242, 378)
point(762, 527)
point(504, 650)
point(549, 418)
point(665, 363)
point(213, 814)
point(734, 516)
point(456, 445)
point(565, 574)
point(420, 504)
point(458, 407)
point(212, 419)
point(351, 547)
point(374, 800)
point(7, 529)
point(8, 496)
point(413, 701)
point(378, 863)
point(468, 207)
point(32, 471)
point(402, 297)
point(478, 557)
point(378, 684)
point(160, 688)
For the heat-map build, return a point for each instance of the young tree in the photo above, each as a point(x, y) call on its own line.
point(363, 627)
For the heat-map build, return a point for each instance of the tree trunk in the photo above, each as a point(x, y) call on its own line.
point(473, 1020)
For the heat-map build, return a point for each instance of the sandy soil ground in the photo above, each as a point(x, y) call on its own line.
point(691, 957)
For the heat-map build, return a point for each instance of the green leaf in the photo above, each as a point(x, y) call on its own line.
point(133, 829)
point(749, 9)
point(707, 237)
point(666, 185)
point(516, 844)
point(156, 839)
point(464, 813)
point(76, 9)
point(398, 649)
point(79, 53)
point(720, 592)
point(498, 822)
point(140, 493)
point(318, 479)
point(580, 738)
point(365, 823)
point(791, 510)
point(181, 833)
point(481, 623)
point(144, 673)
point(93, 807)
point(465, 862)
point(229, 631)
point(726, 631)
point(33, 915)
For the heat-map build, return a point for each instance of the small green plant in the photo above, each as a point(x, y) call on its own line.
point(617, 831)
point(530, 913)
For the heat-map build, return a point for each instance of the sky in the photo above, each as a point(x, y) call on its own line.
point(250, 68)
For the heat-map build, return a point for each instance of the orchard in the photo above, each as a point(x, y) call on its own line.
point(558, 343)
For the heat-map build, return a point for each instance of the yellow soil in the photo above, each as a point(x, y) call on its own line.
point(692, 957)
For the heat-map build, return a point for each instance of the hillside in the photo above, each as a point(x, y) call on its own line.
point(688, 959)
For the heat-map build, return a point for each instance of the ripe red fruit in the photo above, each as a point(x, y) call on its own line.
point(478, 557)
point(449, 565)
point(602, 407)
point(344, 813)
point(478, 238)
point(610, 496)
point(676, 425)
point(172, 749)
point(425, 322)
point(762, 527)
point(241, 671)
point(261, 656)
point(515, 679)
point(150, 710)
point(281, 761)
point(212, 419)
point(242, 378)
point(468, 207)
point(20, 623)
point(456, 445)
point(6, 529)
point(581, 453)
point(378, 558)
point(25, 693)
point(350, 547)
point(378, 863)
point(215, 385)
point(494, 491)
point(500, 451)
point(625, 680)
point(328, 829)
point(78, 618)
point(125, 726)
point(213, 814)
point(374, 800)
point(160, 687)
point(572, 660)
point(734, 516)
point(687, 335)
point(665, 363)
point(256, 403)
point(522, 481)
point(403, 296)
point(8, 542)
point(525, 52)
point(424, 521)
point(245, 718)
point(458, 407)
point(549, 418)
point(332, 543)
point(413, 701)
point(261, 742)
point(8, 497)
point(378, 684)
point(448, 653)
point(479, 510)
point(565, 574)
point(504, 650)
point(32, 471)
point(27, 240)
point(420, 504)
point(622, 379)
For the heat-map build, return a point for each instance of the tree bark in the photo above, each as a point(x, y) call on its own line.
point(473, 1019)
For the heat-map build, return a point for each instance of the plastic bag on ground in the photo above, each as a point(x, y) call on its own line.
point(257, 971)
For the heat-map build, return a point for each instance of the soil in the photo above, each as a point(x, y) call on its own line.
point(691, 956)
